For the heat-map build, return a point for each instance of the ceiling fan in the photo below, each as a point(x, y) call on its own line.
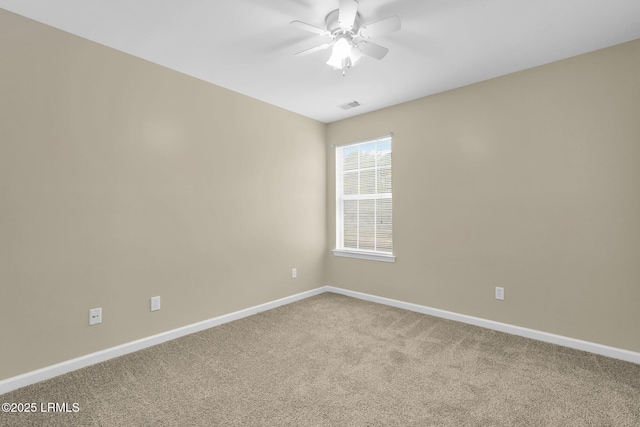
point(348, 38)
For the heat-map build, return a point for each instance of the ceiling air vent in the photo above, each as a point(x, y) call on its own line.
point(349, 105)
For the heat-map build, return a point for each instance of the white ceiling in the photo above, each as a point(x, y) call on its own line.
point(248, 45)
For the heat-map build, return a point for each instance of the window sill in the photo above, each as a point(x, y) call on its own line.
point(364, 255)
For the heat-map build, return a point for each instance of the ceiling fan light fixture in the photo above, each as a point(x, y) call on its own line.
point(355, 56)
point(342, 49)
point(349, 40)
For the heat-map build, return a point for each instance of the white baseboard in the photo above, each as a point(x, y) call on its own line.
point(48, 372)
point(603, 350)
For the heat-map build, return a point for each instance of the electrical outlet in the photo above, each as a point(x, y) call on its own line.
point(155, 303)
point(95, 316)
point(294, 273)
point(499, 293)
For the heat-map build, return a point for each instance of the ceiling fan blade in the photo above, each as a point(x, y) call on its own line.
point(373, 50)
point(314, 49)
point(347, 14)
point(307, 27)
point(379, 28)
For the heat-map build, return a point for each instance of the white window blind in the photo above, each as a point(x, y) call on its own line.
point(364, 197)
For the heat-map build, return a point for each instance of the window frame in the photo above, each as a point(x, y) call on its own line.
point(340, 250)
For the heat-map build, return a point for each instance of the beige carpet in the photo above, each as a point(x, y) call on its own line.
point(332, 360)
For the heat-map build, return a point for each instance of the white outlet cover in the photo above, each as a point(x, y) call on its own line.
point(294, 273)
point(499, 293)
point(155, 303)
point(95, 316)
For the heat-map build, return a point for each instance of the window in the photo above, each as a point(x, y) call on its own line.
point(364, 200)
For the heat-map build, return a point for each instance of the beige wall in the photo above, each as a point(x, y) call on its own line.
point(121, 180)
point(531, 182)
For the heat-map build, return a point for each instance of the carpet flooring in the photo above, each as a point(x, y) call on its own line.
point(332, 360)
